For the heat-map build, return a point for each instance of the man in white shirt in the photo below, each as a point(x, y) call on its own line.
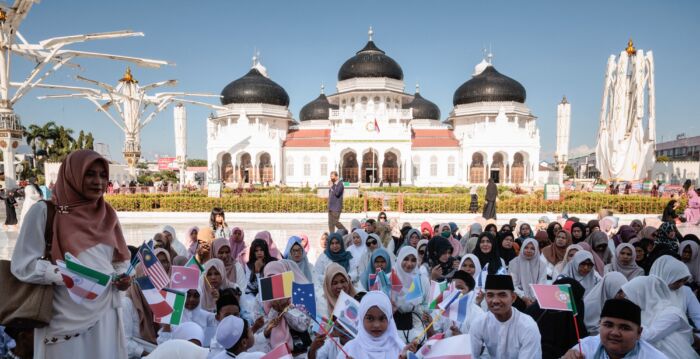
point(505, 332)
point(620, 335)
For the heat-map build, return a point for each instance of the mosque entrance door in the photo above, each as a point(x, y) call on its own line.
point(495, 176)
point(370, 175)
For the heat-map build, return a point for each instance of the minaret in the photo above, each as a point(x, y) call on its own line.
point(561, 155)
point(180, 119)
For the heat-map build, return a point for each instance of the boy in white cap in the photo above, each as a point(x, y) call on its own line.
point(234, 334)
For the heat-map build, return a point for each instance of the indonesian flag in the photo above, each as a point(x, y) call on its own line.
point(159, 306)
point(280, 352)
point(175, 300)
point(82, 282)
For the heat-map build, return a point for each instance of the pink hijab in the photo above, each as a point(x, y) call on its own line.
point(280, 333)
point(87, 223)
point(191, 244)
point(229, 262)
point(239, 250)
point(267, 237)
point(599, 265)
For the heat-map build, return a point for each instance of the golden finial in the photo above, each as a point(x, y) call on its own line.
point(3, 15)
point(128, 77)
point(630, 48)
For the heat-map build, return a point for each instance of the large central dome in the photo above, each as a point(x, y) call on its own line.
point(254, 87)
point(370, 62)
point(489, 86)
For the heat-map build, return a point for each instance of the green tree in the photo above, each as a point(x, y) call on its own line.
point(89, 141)
point(569, 171)
point(196, 163)
point(80, 142)
point(39, 137)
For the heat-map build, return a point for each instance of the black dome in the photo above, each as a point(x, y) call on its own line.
point(422, 108)
point(489, 86)
point(254, 88)
point(318, 109)
point(370, 62)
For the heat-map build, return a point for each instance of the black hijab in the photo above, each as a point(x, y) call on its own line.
point(492, 258)
point(550, 231)
point(580, 226)
point(438, 246)
point(251, 255)
point(506, 254)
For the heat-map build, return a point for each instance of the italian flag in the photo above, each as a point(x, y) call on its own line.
point(82, 282)
point(176, 300)
point(436, 290)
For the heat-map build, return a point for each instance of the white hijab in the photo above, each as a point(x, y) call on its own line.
point(406, 277)
point(651, 294)
point(596, 297)
point(207, 301)
point(694, 264)
point(529, 270)
point(178, 349)
point(388, 345)
point(477, 268)
point(571, 271)
point(357, 251)
point(670, 270)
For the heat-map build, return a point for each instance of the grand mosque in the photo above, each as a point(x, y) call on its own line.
point(372, 131)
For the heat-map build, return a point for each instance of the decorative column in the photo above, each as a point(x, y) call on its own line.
point(10, 136)
point(563, 126)
point(180, 118)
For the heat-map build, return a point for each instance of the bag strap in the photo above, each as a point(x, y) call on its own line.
point(48, 230)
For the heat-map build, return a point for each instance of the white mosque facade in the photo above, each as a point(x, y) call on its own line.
point(372, 131)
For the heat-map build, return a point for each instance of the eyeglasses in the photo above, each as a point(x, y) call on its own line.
point(421, 252)
point(372, 242)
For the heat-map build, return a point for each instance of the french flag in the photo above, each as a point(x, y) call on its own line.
point(159, 306)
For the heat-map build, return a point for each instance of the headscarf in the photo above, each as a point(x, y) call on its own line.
point(207, 300)
point(597, 238)
point(342, 257)
point(608, 223)
point(238, 247)
point(663, 238)
point(648, 233)
point(206, 235)
point(158, 251)
point(379, 252)
point(304, 262)
point(651, 294)
point(477, 268)
point(606, 289)
point(555, 254)
point(229, 262)
point(178, 349)
point(529, 270)
point(424, 258)
point(191, 244)
point(592, 224)
point(147, 331)
point(280, 334)
point(694, 264)
point(542, 239)
point(406, 277)
point(426, 225)
point(580, 226)
point(175, 245)
point(641, 225)
point(456, 246)
point(267, 237)
point(407, 240)
point(492, 259)
point(355, 224)
point(624, 234)
point(359, 250)
point(437, 246)
point(506, 254)
point(571, 270)
point(671, 270)
point(384, 232)
point(332, 271)
point(521, 238)
point(365, 345)
point(599, 265)
point(251, 254)
point(88, 222)
point(631, 270)
point(550, 230)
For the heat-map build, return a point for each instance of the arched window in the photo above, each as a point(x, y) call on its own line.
point(416, 166)
point(324, 166)
point(451, 166)
point(433, 166)
point(290, 166)
point(307, 166)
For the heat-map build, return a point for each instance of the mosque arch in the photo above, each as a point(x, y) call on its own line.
point(518, 168)
point(370, 166)
point(265, 169)
point(348, 166)
point(498, 167)
point(245, 168)
point(391, 171)
point(226, 168)
point(477, 168)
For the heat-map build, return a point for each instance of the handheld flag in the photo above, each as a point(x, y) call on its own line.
point(436, 290)
point(415, 290)
point(396, 285)
point(346, 312)
point(277, 286)
point(304, 297)
point(184, 278)
point(175, 300)
point(152, 267)
point(557, 297)
point(456, 347)
point(194, 263)
point(159, 306)
point(457, 312)
point(82, 281)
point(449, 298)
point(280, 352)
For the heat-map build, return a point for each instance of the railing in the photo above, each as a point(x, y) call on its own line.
point(395, 114)
point(10, 121)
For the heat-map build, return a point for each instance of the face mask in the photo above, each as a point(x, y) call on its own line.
point(445, 234)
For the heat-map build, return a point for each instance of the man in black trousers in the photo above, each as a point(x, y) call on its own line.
point(335, 203)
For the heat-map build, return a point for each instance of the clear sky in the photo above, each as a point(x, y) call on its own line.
point(553, 48)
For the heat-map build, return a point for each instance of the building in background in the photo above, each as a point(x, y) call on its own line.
point(584, 166)
point(681, 149)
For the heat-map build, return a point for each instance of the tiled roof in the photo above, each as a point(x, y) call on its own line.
point(308, 138)
point(433, 138)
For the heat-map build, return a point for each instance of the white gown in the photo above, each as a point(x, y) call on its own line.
point(98, 322)
point(31, 196)
point(518, 337)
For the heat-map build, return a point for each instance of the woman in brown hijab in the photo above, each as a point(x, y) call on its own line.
point(87, 227)
point(205, 240)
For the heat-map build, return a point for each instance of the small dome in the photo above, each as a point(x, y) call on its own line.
point(489, 86)
point(370, 62)
point(254, 87)
point(422, 108)
point(318, 109)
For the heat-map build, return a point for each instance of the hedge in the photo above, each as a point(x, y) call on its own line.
point(572, 202)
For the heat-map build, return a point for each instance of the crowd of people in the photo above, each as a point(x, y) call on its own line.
point(635, 287)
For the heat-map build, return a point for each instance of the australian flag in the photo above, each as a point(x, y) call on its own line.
point(304, 298)
point(152, 267)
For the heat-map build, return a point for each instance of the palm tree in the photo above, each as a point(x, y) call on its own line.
point(39, 136)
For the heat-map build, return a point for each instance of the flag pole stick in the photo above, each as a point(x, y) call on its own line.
point(578, 336)
point(428, 327)
point(328, 335)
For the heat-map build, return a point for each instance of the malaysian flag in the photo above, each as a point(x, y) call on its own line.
point(152, 267)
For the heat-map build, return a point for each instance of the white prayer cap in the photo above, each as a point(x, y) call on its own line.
point(229, 331)
point(188, 331)
point(178, 349)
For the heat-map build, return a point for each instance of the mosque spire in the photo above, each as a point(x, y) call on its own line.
point(630, 48)
point(323, 89)
point(564, 100)
point(370, 33)
point(417, 88)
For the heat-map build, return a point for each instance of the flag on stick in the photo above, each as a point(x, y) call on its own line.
point(346, 312)
point(159, 306)
point(176, 300)
point(304, 297)
point(415, 290)
point(277, 286)
point(557, 297)
point(436, 290)
point(194, 263)
point(184, 278)
point(456, 347)
point(82, 281)
point(152, 267)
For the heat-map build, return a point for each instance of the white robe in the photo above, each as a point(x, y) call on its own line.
point(31, 196)
point(592, 349)
point(99, 322)
point(518, 337)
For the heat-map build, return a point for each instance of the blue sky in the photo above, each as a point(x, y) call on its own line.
point(553, 48)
